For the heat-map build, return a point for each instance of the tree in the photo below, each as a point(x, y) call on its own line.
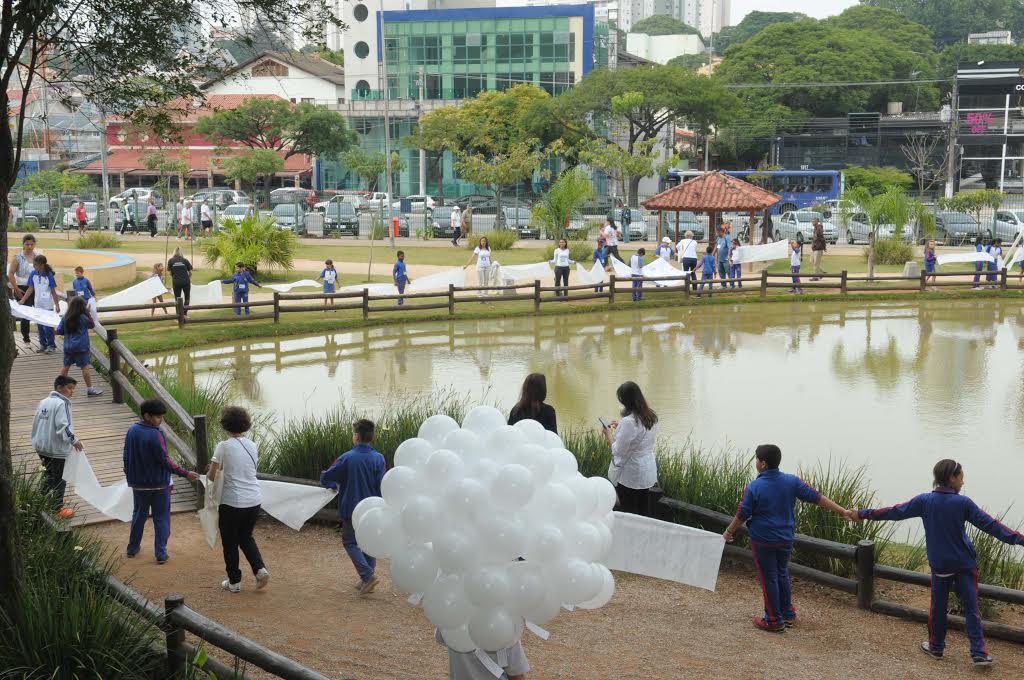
point(256, 241)
point(563, 201)
point(926, 156)
point(951, 20)
point(891, 206)
point(974, 202)
point(370, 165)
point(663, 24)
point(962, 53)
point(250, 166)
point(289, 129)
point(336, 57)
point(167, 167)
point(876, 180)
point(691, 62)
point(752, 24)
point(56, 182)
point(433, 135)
point(126, 73)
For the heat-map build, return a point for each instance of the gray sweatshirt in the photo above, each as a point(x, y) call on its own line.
point(53, 434)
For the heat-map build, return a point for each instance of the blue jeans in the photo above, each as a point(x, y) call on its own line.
point(46, 337)
point(401, 289)
point(706, 276)
point(723, 271)
point(735, 272)
point(690, 265)
point(638, 285)
point(364, 564)
point(966, 583)
point(772, 564)
point(240, 296)
point(159, 504)
point(795, 271)
point(992, 277)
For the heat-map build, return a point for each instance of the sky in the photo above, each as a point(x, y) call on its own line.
point(816, 8)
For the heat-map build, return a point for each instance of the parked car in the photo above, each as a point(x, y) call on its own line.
point(358, 202)
point(519, 218)
point(797, 225)
point(138, 194)
point(688, 221)
point(419, 203)
point(376, 199)
point(40, 209)
point(236, 213)
point(955, 227)
point(221, 197)
point(341, 216)
point(858, 228)
point(91, 213)
point(1009, 223)
point(638, 227)
point(290, 216)
point(293, 195)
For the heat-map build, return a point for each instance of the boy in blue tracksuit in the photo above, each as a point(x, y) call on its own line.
point(979, 246)
point(951, 556)
point(601, 257)
point(240, 293)
point(768, 507)
point(995, 249)
point(400, 276)
point(357, 474)
point(636, 271)
point(83, 287)
point(148, 468)
point(707, 271)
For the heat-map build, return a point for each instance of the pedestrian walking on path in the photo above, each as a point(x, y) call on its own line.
point(21, 267)
point(53, 436)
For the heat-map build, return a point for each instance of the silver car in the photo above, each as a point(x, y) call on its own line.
point(858, 228)
point(290, 216)
point(1009, 223)
point(797, 225)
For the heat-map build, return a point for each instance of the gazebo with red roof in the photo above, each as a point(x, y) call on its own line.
point(713, 193)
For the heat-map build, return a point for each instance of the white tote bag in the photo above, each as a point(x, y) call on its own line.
point(209, 516)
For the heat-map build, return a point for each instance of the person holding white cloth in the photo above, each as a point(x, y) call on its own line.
point(482, 253)
point(686, 250)
point(562, 259)
point(634, 468)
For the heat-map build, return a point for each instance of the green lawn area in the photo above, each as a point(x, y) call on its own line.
point(833, 264)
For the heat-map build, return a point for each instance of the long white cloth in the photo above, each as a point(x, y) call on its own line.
point(285, 287)
point(620, 268)
point(113, 501)
point(43, 317)
point(372, 288)
point(953, 258)
point(1018, 256)
point(440, 281)
point(210, 294)
point(642, 545)
point(595, 275)
point(209, 514)
point(660, 267)
point(779, 250)
point(525, 272)
point(139, 294)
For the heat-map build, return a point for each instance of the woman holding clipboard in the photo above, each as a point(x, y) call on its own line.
point(634, 468)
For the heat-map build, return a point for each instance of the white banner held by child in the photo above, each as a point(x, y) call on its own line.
point(525, 272)
point(779, 250)
point(114, 501)
point(285, 287)
point(210, 294)
point(595, 275)
point(43, 317)
point(621, 269)
point(660, 267)
point(958, 258)
point(440, 281)
point(139, 294)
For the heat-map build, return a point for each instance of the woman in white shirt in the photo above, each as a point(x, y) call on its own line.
point(687, 253)
point(482, 253)
point(236, 458)
point(561, 260)
point(632, 440)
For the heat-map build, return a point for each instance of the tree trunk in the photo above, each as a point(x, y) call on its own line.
point(634, 189)
point(499, 218)
point(871, 255)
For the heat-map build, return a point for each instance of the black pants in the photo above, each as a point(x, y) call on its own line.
point(236, 525)
point(614, 250)
point(129, 224)
point(25, 326)
point(151, 223)
point(53, 480)
point(633, 501)
point(457, 235)
point(180, 289)
point(561, 279)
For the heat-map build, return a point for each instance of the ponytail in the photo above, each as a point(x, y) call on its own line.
point(41, 259)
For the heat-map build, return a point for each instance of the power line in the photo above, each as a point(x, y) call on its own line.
point(860, 83)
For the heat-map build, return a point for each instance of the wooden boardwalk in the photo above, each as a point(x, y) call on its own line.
point(98, 422)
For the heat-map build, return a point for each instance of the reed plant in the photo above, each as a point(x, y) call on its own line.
point(999, 564)
point(95, 240)
point(499, 239)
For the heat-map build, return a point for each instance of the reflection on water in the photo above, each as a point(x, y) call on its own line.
point(895, 387)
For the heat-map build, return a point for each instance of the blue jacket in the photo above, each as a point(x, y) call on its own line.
point(84, 287)
point(708, 264)
point(77, 342)
point(147, 464)
point(356, 474)
point(769, 506)
point(600, 256)
point(943, 512)
point(398, 271)
point(723, 248)
point(242, 282)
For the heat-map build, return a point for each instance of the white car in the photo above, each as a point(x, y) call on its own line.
point(797, 225)
point(419, 203)
point(858, 228)
point(236, 213)
point(138, 195)
point(91, 213)
point(1009, 223)
point(376, 199)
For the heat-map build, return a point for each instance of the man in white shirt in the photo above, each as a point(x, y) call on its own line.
point(636, 269)
point(456, 225)
point(204, 217)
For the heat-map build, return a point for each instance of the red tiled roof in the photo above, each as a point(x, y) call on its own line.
point(713, 191)
point(129, 161)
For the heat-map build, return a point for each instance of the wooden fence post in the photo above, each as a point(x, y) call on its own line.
point(842, 282)
point(865, 557)
point(1002, 278)
point(451, 299)
point(116, 394)
point(277, 307)
point(686, 287)
point(611, 289)
point(923, 278)
point(179, 309)
point(366, 304)
point(764, 283)
point(202, 452)
point(174, 636)
point(536, 296)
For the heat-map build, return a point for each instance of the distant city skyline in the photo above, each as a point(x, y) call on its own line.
point(819, 9)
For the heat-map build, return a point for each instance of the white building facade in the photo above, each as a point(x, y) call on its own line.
point(293, 77)
point(663, 48)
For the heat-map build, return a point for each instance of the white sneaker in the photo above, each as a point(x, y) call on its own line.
point(231, 587)
point(262, 577)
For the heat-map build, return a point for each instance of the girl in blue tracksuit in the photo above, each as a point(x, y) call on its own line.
point(995, 249)
point(951, 555)
point(978, 247)
point(240, 292)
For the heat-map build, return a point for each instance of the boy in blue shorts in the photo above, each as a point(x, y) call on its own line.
point(240, 293)
point(707, 271)
point(400, 276)
point(768, 507)
point(329, 276)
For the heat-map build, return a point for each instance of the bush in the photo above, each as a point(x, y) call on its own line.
point(256, 241)
point(876, 179)
point(580, 251)
point(500, 239)
point(891, 251)
point(98, 239)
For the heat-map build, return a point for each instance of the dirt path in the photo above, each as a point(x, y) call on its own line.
point(650, 629)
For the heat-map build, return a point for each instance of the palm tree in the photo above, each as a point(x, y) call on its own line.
point(894, 207)
point(256, 241)
point(563, 201)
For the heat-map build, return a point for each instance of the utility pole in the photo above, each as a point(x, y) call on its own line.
point(954, 129)
point(423, 152)
point(387, 130)
point(102, 210)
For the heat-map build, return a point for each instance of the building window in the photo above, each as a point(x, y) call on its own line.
point(514, 48)
point(269, 68)
point(556, 83)
point(557, 46)
point(393, 87)
point(360, 12)
point(504, 81)
point(391, 47)
point(469, 48)
point(467, 87)
point(362, 88)
point(425, 50)
point(364, 125)
point(308, 100)
point(362, 50)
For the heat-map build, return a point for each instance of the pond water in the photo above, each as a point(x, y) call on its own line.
point(893, 386)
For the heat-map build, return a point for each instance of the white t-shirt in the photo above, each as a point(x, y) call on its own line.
point(483, 257)
point(329, 276)
point(794, 258)
point(238, 457)
point(561, 257)
point(636, 265)
point(664, 252)
point(633, 451)
point(611, 236)
point(687, 248)
point(204, 212)
point(456, 218)
point(186, 214)
point(41, 290)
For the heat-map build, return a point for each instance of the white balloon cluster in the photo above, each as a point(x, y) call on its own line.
point(462, 505)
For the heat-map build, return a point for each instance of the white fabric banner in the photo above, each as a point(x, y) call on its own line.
point(650, 547)
point(660, 267)
point(440, 281)
point(526, 272)
point(621, 269)
point(285, 287)
point(43, 317)
point(595, 275)
point(209, 514)
point(956, 258)
point(210, 294)
point(372, 288)
point(294, 504)
point(139, 294)
point(114, 501)
point(1018, 256)
point(779, 250)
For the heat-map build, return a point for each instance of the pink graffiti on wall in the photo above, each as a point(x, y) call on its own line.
point(979, 122)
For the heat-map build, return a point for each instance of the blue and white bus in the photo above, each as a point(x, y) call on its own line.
point(798, 188)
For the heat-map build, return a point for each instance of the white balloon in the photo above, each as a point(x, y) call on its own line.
point(363, 507)
point(609, 520)
point(573, 581)
point(445, 603)
point(566, 464)
point(546, 543)
point(513, 487)
point(380, 532)
point(528, 587)
point(503, 444)
point(487, 586)
point(466, 444)
point(552, 503)
point(413, 568)
point(457, 549)
point(458, 639)
point(606, 540)
point(466, 497)
point(420, 519)
point(547, 611)
point(493, 629)
point(399, 485)
point(583, 540)
point(605, 495)
point(533, 431)
point(484, 470)
point(504, 538)
point(552, 440)
point(435, 428)
point(413, 453)
point(443, 467)
point(537, 460)
point(607, 589)
point(483, 420)
point(586, 496)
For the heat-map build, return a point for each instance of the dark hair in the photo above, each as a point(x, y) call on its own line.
point(152, 407)
point(487, 243)
point(533, 394)
point(944, 471)
point(28, 237)
point(997, 242)
point(710, 249)
point(641, 252)
point(240, 264)
point(62, 380)
point(769, 454)
point(73, 317)
point(79, 268)
point(633, 403)
point(978, 241)
point(401, 253)
point(41, 259)
point(364, 429)
point(235, 419)
point(328, 261)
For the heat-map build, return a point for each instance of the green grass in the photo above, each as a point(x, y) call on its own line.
point(854, 264)
point(98, 239)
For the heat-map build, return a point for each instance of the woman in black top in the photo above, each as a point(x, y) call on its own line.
point(181, 276)
point(531, 404)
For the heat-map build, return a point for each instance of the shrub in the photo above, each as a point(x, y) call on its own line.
point(580, 251)
point(377, 230)
point(563, 201)
point(500, 239)
point(98, 239)
point(256, 241)
point(891, 251)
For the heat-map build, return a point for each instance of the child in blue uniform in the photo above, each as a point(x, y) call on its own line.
point(995, 249)
point(951, 555)
point(240, 292)
point(83, 287)
point(329, 275)
point(929, 262)
point(707, 271)
point(768, 507)
point(600, 257)
point(42, 286)
point(978, 247)
point(636, 269)
point(400, 276)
